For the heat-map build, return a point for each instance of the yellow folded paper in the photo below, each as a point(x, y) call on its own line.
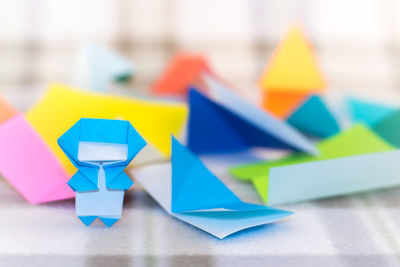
point(62, 107)
point(293, 67)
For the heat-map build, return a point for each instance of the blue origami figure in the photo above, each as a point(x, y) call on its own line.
point(100, 149)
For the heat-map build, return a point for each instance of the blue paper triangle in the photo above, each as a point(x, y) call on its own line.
point(194, 187)
point(314, 118)
point(87, 220)
point(213, 128)
point(109, 221)
point(368, 112)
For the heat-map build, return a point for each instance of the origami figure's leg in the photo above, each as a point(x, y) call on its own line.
point(87, 220)
point(109, 221)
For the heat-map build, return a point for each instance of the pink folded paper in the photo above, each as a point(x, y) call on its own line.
point(29, 165)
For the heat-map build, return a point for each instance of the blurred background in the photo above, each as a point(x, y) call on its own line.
point(357, 42)
point(358, 47)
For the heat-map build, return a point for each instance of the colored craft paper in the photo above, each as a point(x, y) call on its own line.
point(98, 66)
point(293, 66)
point(223, 122)
point(29, 165)
point(314, 118)
point(389, 128)
point(334, 177)
point(62, 107)
point(7, 111)
point(100, 149)
point(187, 190)
point(282, 104)
point(368, 112)
point(355, 141)
point(291, 74)
point(182, 71)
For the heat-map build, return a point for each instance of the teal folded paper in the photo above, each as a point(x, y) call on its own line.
point(388, 128)
point(313, 117)
point(368, 112)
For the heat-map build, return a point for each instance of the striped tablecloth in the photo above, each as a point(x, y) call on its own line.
point(358, 44)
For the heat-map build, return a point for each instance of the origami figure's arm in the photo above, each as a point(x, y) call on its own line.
point(122, 181)
point(79, 182)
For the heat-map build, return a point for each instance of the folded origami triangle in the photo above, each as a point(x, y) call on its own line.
point(187, 190)
point(195, 188)
point(293, 66)
point(368, 112)
point(98, 66)
point(313, 117)
point(222, 122)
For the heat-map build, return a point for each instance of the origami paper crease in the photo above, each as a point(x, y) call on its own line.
point(96, 147)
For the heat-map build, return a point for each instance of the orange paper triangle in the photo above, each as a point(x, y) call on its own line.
point(282, 104)
point(7, 111)
point(183, 70)
point(293, 66)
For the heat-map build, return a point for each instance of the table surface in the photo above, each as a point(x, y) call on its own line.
point(358, 46)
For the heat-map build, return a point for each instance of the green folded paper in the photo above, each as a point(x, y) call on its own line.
point(355, 141)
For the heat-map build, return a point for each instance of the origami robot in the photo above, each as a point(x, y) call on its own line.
point(100, 149)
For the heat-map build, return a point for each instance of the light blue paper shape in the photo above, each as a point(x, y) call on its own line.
point(327, 178)
point(186, 179)
point(368, 112)
point(100, 186)
point(98, 66)
point(241, 122)
point(314, 118)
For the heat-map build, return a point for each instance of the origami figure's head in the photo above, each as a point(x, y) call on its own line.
point(93, 141)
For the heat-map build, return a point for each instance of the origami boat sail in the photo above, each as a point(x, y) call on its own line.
point(222, 122)
point(314, 118)
point(187, 190)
